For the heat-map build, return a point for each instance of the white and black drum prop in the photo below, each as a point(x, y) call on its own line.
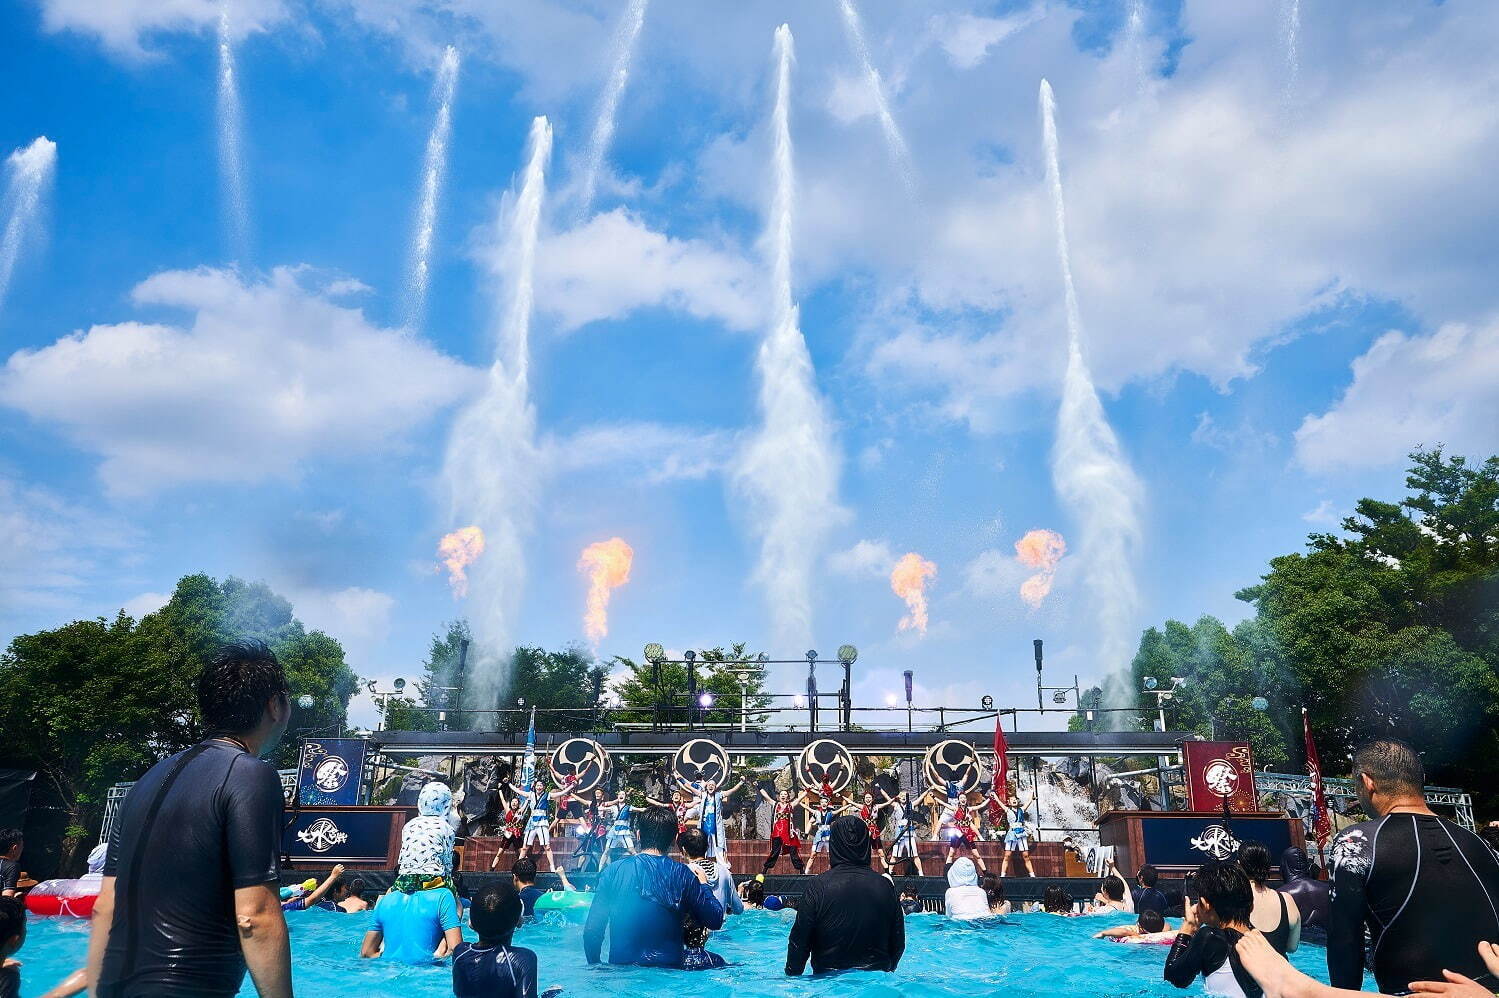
point(701, 761)
point(583, 759)
point(825, 761)
point(952, 761)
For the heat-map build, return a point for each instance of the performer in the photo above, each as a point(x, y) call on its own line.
point(593, 828)
point(620, 835)
point(869, 813)
point(539, 825)
point(709, 807)
point(963, 832)
point(510, 829)
point(783, 832)
point(903, 820)
point(682, 805)
point(1018, 838)
point(994, 807)
point(826, 812)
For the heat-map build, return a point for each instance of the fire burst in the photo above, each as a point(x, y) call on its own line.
point(459, 550)
point(908, 581)
point(608, 566)
point(1039, 549)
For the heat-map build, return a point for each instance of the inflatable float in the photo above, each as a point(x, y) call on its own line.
point(563, 900)
point(63, 897)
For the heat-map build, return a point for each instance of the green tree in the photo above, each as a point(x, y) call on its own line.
point(643, 688)
point(559, 684)
point(444, 678)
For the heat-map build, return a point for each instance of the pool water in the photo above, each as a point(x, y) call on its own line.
point(1024, 956)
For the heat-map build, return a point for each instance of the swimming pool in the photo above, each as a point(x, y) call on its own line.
point(1026, 956)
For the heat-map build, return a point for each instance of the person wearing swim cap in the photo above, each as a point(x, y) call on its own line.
point(492, 967)
point(1311, 895)
point(965, 900)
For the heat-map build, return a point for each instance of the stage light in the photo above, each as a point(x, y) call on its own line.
point(369, 684)
point(1150, 682)
point(891, 700)
point(848, 654)
point(400, 684)
point(762, 658)
point(706, 700)
point(798, 702)
point(305, 702)
point(811, 657)
point(1260, 704)
point(909, 674)
point(689, 655)
point(654, 652)
point(1060, 696)
point(987, 703)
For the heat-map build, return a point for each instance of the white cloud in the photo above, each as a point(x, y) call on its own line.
point(1243, 439)
point(1411, 391)
point(967, 38)
point(123, 26)
point(1325, 512)
point(664, 453)
point(358, 617)
point(139, 606)
point(53, 550)
point(866, 559)
point(267, 376)
point(995, 574)
point(615, 264)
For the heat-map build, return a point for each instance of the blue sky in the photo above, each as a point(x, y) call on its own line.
point(1282, 231)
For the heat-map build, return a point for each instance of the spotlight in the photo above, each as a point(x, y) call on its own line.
point(848, 654)
point(987, 703)
point(400, 684)
point(1150, 682)
point(305, 702)
point(706, 700)
point(762, 658)
point(798, 702)
point(1060, 696)
point(690, 655)
point(891, 700)
point(1260, 704)
point(654, 652)
point(811, 657)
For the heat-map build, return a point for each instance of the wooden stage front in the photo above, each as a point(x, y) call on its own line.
point(747, 855)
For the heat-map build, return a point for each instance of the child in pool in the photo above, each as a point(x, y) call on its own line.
point(12, 938)
point(1149, 928)
point(695, 955)
point(492, 968)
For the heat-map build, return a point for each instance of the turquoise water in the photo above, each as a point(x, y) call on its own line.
point(1026, 956)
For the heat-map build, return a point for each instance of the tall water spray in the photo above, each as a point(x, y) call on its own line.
point(788, 470)
point(1088, 469)
point(614, 88)
point(1134, 38)
point(490, 466)
point(30, 172)
point(893, 138)
point(1290, 29)
point(235, 199)
point(433, 166)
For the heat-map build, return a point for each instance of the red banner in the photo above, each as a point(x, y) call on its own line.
point(1321, 819)
point(1001, 758)
point(1219, 771)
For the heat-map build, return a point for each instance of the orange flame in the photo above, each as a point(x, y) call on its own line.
point(459, 550)
point(908, 581)
point(608, 566)
point(1039, 549)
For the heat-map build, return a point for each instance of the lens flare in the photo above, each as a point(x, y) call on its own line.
point(908, 581)
point(608, 566)
point(1039, 549)
point(459, 550)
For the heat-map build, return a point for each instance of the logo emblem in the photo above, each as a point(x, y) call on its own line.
point(825, 761)
point(582, 759)
point(1217, 841)
point(700, 761)
point(331, 774)
point(322, 835)
point(952, 761)
point(1221, 777)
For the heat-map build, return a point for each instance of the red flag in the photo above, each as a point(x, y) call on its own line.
point(1001, 761)
point(1321, 820)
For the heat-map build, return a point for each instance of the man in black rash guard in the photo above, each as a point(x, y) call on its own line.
point(1311, 896)
point(1427, 889)
point(189, 897)
point(849, 917)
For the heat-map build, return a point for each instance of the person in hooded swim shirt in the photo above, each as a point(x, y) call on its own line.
point(849, 918)
point(965, 899)
point(418, 921)
point(1311, 896)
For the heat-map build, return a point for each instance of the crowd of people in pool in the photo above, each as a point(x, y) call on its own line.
point(190, 897)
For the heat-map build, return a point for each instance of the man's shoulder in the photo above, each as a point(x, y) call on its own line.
point(1353, 847)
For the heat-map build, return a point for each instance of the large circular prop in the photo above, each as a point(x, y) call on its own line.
point(825, 761)
point(952, 761)
point(701, 761)
point(583, 759)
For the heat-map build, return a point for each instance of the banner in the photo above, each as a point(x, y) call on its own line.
point(337, 835)
point(1321, 819)
point(1001, 756)
point(330, 771)
point(1218, 772)
point(1176, 842)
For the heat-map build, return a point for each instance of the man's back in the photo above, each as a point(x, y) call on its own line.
point(1429, 892)
point(193, 829)
point(1150, 899)
point(849, 919)
point(642, 900)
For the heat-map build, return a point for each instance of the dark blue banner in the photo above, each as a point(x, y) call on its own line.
point(339, 836)
point(330, 771)
point(1172, 840)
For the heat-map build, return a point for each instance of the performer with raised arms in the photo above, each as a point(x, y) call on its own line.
point(709, 807)
point(869, 813)
point(903, 820)
point(511, 821)
point(783, 831)
point(539, 825)
point(1018, 837)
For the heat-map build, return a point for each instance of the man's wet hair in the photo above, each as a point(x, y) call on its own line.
point(9, 839)
point(694, 843)
point(1254, 857)
point(524, 870)
point(658, 828)
point(1392, 764)
point(12, 923)
point(1056, 899)
point(1151, 921)
point(1148, 875)
point(495, 912)
point(1225, 886)
point(1113, 888)
point(235, 686)
point(994, 889)
point(754, 893)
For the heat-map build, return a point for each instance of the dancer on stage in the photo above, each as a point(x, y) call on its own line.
point(994, 814)
point(709, 807)
point(539, 825)
point(682, 805)
point(510, 829)
point(593, 829)
point(826, 812)
point(783, 832)
point(903, 846)
point(869, 813)
point(1018, 838)
point(960, 828)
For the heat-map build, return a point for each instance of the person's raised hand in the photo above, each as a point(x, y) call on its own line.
point(699, 872)
point(1190, 922)
point(1456, 985)
point(338, 871)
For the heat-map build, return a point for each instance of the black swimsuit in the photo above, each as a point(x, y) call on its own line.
point(1280, 936)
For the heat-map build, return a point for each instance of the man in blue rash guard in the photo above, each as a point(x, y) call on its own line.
point(641, 901)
